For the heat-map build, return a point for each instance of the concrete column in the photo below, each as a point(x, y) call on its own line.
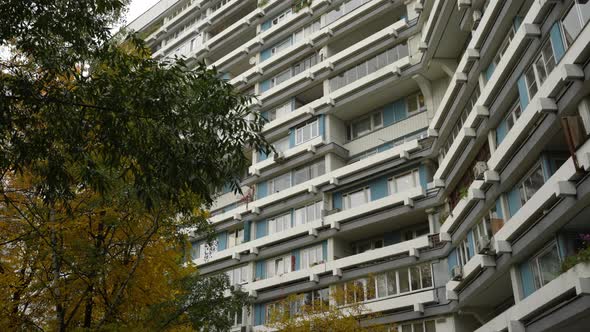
point(516, 284)
point(584, 110)
point(326, 86)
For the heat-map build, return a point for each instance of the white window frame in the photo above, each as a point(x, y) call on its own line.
point(299, 132)
point(235, 237)
point(544, 62)
point(522, 188)
point(392, 182)
point(416, 98)
point(535, 266)
point(272, 183)
point(346, 197)
point(373, 126)
point(279, 223)
point(317, 207)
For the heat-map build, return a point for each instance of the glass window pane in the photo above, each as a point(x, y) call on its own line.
point(549, 265)
point(415, 277)
point(381, 285)
point(391, 283)
point(430, 326)
point(571, 25)
point(426, 274)
point(362, 127)
point(418, 327)
point(404, 282)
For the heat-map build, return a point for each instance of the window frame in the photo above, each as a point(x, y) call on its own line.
point(346, 197)
point(392, 185)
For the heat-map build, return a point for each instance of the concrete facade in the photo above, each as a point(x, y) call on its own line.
point(434, 151)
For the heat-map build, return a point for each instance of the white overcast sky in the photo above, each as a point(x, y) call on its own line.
point(138, 7)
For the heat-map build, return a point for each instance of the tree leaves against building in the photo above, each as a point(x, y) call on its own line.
point(106, 157)
point(340, 312)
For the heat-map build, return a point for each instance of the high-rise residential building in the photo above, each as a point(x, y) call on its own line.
point(434, 153)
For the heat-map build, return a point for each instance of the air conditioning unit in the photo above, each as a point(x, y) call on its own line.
point(480, 168)
point(456, 273)
point(483, 244)
point(279, 156)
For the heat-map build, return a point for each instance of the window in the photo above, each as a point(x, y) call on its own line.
point(279, 224)
point(575, 19)
point(513, 116)
point(280, 18)
point(309, 172)
point(235, 237)
point(307, 132)
point(416, 103)
point(281, 46)
point(482, 230)
point(309, 213)
point(416, 233)
point(423, 326)
point(369, 66)
point(278, 266)
point(464, 254)
point(387, 284)
point(545, 63)
point(344, 9)
point(546, 265)
point(280, 112)
point(367, 245)
point(356, 198)
point(281, 145)
point(311, 256)
point(403, 182)
point(531, 82)
point(238, 276)
point(279, 183)
point(533, 182)
point(366, 125)
point(504, 46)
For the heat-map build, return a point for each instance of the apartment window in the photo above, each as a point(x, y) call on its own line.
point(281, 17)
point(464, 254)
point(387, 284)
point(305, 64)
point(236, 318)
point(235, 238)
point(279, 183)
point(311, 256)
point(238, 276)
point(281, 145)
point(575, 19)
point(281, 46)
point(363, 69)
point(545, 63)
point(546, 265)
point(481, 231)
point(415, 233)
point(278, 266)
point(344, 9)
point(416, 103)
point(514, 114)
point(307, 132)
point(356, 198)
point(531, 82)
point(403, 182)
point(366, 125)
point(279, 224)
point(281, 111)
point(533, 182)
point(309, 213)
point(424, 326)
point(309, 172)
point(280, 78)
point(367, 245)
point(504, 46)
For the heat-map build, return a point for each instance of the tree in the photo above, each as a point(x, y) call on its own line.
point(340, 312)
point(105, 156)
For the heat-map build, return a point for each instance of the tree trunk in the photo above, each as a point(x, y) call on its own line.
point(56, 267)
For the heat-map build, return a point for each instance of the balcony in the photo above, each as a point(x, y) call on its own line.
point(574, 280)
point(400, 151)
point(407, 247)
